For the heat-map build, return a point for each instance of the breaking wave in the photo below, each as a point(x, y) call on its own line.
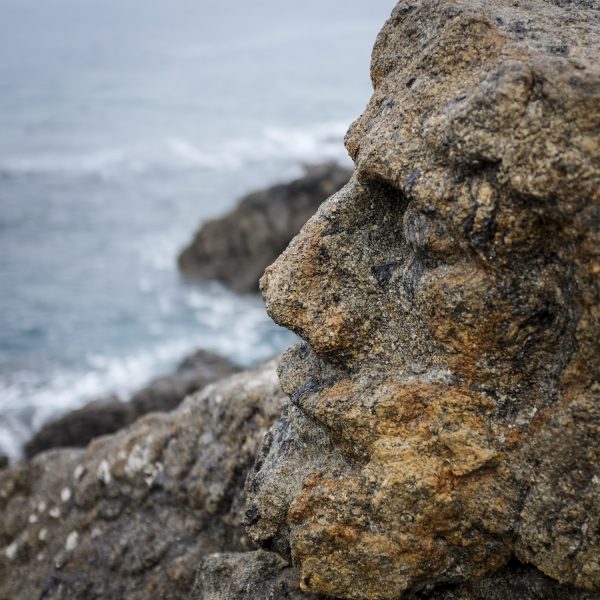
point(233, 326)
point(313, 144)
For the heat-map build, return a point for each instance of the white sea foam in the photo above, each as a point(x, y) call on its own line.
point(230, 325)
point(322, 141)
point(28, 402)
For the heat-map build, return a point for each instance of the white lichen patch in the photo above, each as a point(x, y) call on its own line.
point(151, 472)
point(65, 494)
point(33, 518)
point(138, 458)
point(584, 527)
point(103, 472)
point(11, 551)
point(43, 534)
point(54, 512)
point(79, 472)
point(41, 507)
point(72, 541)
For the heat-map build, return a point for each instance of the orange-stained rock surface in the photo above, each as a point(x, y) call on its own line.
point(445, 405)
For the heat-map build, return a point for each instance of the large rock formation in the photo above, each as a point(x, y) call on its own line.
point(132, 516)
point(445, 416)
point(237, 248)
point(107, 415)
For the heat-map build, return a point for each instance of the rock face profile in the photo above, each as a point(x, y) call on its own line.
point(444, 425)
point(237, 248)
point(107, 415)
point(132, 516)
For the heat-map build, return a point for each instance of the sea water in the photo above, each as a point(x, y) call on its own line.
point(123, 125)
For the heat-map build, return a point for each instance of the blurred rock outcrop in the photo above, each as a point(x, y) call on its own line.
point(445, 405)
point(237, 248)
point(132, 516)
point(107, 415)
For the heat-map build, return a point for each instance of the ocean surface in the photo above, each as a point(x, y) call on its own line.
point(124, 124)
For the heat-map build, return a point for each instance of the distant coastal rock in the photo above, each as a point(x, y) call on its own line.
point(237, 248)
point(107, 415)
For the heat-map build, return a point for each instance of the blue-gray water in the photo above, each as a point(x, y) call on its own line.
point(124, 124)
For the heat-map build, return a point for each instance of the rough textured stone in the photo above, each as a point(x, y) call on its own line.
point(132, 515)
point(515, 582)
point(445, 406)
point(237, 248)
point(254, 575)
point(107, 415)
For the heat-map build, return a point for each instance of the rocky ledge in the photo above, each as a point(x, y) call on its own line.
point(237, 248)
point(133, 515)
point(78, 428)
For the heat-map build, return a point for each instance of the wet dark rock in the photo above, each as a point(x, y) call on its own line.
point(107, 415)
point(237, 248)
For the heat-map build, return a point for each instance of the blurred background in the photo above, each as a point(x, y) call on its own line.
point(126, 124)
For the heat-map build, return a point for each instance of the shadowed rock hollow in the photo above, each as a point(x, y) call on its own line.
point(445, 405)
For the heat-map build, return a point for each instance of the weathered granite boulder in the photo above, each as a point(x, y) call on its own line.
point(445, 415)
point(237, 248)
point(132, 516)
point(107, 415)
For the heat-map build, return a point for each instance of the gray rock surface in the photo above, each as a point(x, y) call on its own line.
point(107, 415)
point(132, 516)
point(257, 575)
point(445, 405)
point(237, 248)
